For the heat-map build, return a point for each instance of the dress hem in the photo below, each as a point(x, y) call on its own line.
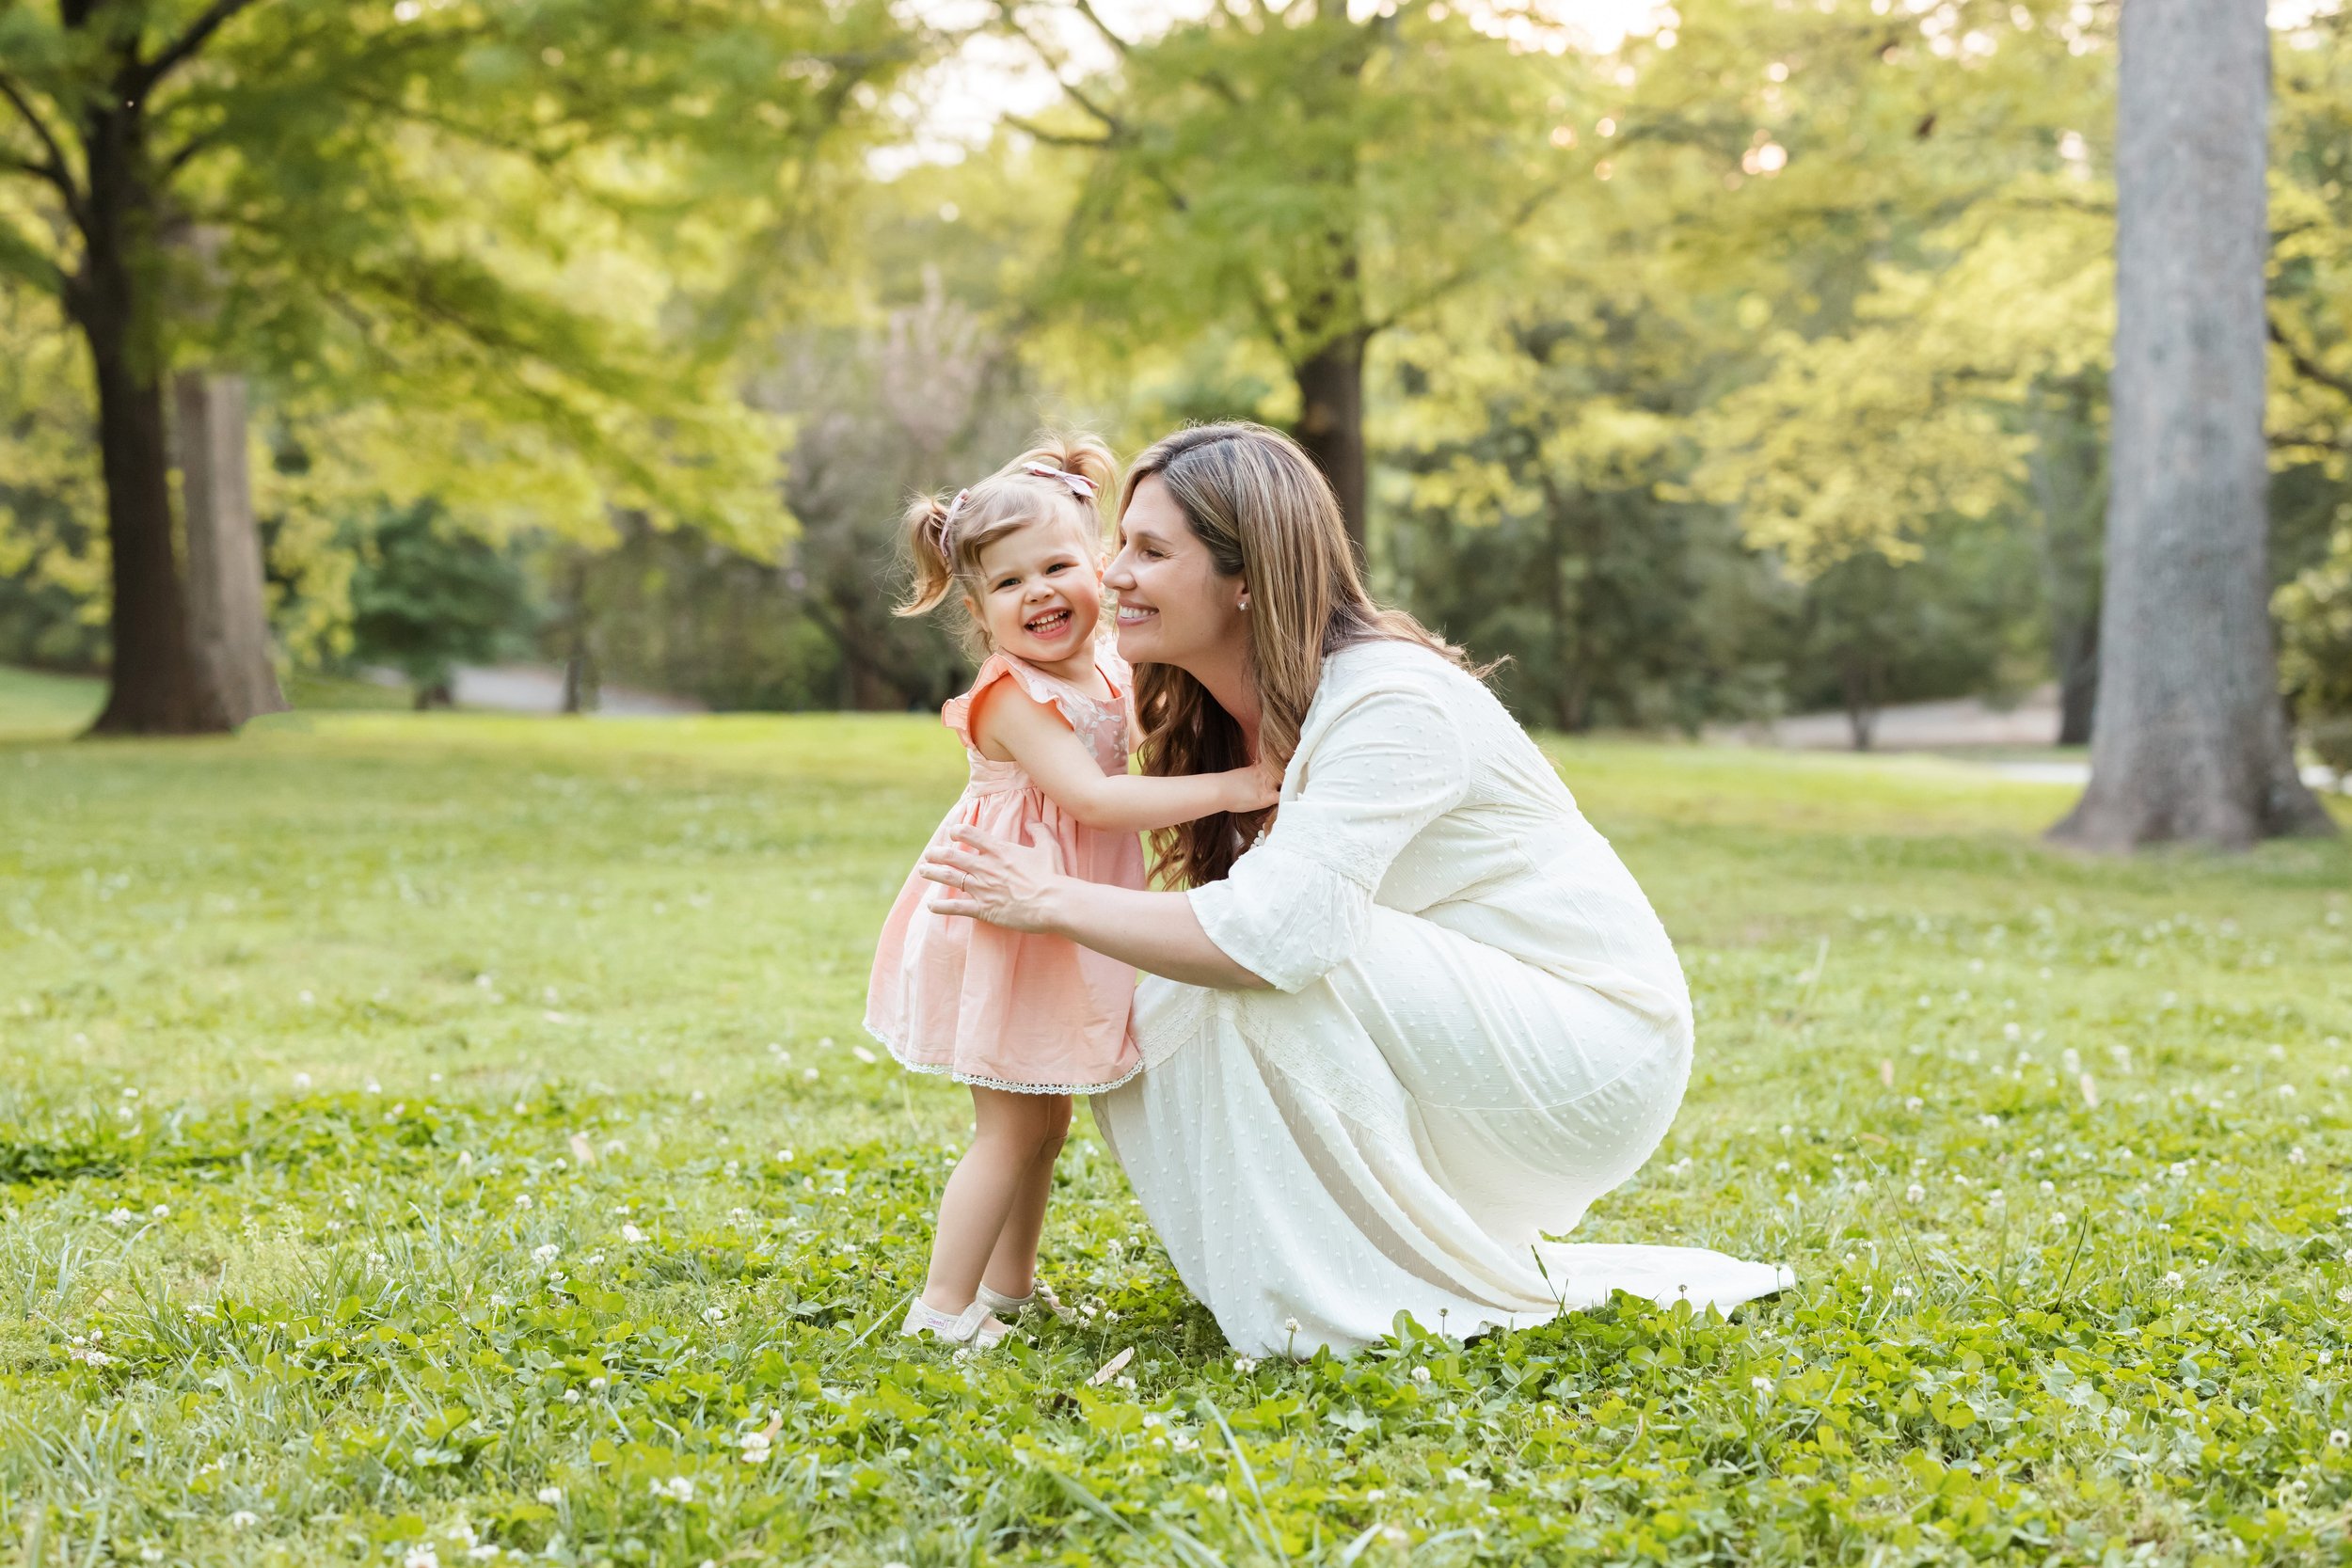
point(941, 1069)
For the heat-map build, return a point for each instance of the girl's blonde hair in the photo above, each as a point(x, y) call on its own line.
point(945, 538)
point(1260, 505)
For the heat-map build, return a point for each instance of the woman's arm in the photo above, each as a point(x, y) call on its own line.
point(1019, 887)
point(1035, 736)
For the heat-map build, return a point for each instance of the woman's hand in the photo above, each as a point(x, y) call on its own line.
point(987, 878)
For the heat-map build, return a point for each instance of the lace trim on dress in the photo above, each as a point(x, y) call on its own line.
point(941, 1069)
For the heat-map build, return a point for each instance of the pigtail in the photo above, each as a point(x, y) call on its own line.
point(926, 526)
point(1074, 454)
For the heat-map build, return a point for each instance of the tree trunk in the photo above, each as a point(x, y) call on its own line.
point(156, 688)
point(2075, 644)
point(2188, 742)
point(1862, 708)
point(1332, 423)
point(228, 617)
point(2068, 470)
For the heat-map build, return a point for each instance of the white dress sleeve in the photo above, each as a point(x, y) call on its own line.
point(1293, 908)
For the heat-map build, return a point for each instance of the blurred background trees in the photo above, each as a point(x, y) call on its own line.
point(1757, 361)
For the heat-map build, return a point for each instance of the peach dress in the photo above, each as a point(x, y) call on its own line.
point(1013, 1009)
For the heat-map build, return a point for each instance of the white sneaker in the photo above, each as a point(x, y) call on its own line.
point(1040, 1295)
point(973, 1326)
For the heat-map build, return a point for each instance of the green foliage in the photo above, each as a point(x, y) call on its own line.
point(1537, 526)
point(1295, 177)
point(429, 596)
point(492, 253)
point(2315, 658)
point(430, 1134)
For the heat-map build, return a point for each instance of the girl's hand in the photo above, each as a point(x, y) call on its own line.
point(1007, 884)
point(1251, 788)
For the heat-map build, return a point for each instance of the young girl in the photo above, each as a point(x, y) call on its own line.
point(1026, 1021)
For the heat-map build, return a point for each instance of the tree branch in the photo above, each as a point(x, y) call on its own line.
point(1463, 274)
point(2308, 367)
point(52, 168)
point(179, 50)
point(1056, 138)
point(1119, 45)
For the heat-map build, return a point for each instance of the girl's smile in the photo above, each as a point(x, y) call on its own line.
point(1043, 597)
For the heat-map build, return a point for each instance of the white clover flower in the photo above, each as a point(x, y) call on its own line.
point(523, 1201)
point(244, 1518)
point(755, 1449)
point(421, 1557)
point(810, 1074)
point(1420, 1374)
point(1244, 1365)
point(1290, 1325)
point(1761, 1384)
point(630, 1234)
point(545, 1253)
point(678, 1489)
point(714, 1314)
point(550, 1494)
point(2172, 1280)
point(596, 1386)
point(1217, 1494)
point(1915, 1194)
point(118, 1216)
point(1914, 1103)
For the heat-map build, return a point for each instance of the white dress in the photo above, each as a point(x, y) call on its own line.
point(1478, 1026)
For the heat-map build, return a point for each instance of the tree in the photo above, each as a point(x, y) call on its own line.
point(1534, 521)
point(429, 596)
point(436, 210)
point(1303, 174)
point(2190, 739)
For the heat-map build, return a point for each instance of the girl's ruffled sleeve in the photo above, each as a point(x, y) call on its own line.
point(956, 714)
point(1293, 908)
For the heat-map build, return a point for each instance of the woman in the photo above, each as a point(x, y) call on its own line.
point(1425, 1017)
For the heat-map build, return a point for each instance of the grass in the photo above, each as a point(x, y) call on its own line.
point(429, 1140)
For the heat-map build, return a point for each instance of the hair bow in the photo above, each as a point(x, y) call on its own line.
point(947, 523)
point(1079, 485)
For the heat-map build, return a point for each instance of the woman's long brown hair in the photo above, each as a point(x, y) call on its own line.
point(1260, 505)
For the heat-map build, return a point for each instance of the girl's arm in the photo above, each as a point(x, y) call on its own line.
point(1035, 736)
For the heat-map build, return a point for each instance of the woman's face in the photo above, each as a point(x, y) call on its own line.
point(1174, 606)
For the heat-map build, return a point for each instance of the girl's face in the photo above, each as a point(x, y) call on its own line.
point(1174, 606)
point(1040, 591)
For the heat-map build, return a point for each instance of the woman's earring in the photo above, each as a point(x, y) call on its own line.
point(1244, 606)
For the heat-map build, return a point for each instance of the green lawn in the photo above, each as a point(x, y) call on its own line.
point(432, 1140)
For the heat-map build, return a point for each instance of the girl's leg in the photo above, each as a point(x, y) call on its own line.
point(1008, 1130)
point(1013, 1266)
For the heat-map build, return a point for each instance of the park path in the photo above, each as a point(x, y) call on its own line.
point(539, 688)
